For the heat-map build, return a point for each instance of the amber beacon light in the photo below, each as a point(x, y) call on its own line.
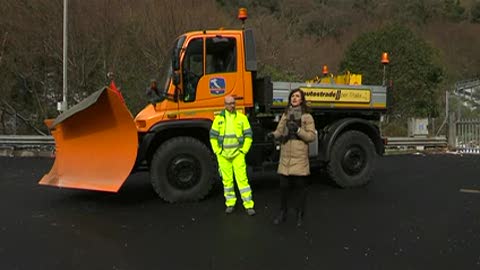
point(242, 14)
point(384, 59)
point(325, 70)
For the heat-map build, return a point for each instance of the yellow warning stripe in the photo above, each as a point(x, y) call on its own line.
point(191, 112)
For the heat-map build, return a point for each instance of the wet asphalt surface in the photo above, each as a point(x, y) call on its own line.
point(412, 216)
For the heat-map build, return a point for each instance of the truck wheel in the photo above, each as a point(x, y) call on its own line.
point(352, 159)
point(183, 169)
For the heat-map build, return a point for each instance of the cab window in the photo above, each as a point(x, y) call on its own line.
point(221, 55)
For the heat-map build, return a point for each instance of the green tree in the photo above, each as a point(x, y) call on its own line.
point(475, 13)
point(365, 6)
point(416, 11)
point(414, 68)
point(453, 10)
point(278, 74)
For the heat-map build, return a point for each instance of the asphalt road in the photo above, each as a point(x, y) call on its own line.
point(420, 212)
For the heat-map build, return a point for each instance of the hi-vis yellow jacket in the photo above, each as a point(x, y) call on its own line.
point(230, 138)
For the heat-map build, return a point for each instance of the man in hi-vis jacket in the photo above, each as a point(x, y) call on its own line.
point(231, 138)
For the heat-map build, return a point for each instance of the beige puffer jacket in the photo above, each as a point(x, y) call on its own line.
point(294, 153)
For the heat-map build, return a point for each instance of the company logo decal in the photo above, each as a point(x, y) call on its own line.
point(217, 86)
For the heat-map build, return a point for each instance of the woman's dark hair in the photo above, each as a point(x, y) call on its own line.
point(303, 105)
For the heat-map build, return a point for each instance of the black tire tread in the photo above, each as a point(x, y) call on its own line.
point(334, 167)
point(164, 189)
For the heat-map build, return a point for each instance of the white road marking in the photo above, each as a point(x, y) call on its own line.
point(469, 190)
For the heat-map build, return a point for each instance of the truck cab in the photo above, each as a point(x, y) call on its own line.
point(208, 65)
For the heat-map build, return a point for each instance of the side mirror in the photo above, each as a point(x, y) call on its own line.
point(176, 78)
point(153, 94)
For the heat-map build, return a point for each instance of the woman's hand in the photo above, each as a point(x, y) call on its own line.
point(292, 127)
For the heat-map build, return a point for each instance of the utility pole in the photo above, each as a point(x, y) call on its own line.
point(63, 106)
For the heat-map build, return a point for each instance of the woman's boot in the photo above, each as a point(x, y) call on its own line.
point(281, 217)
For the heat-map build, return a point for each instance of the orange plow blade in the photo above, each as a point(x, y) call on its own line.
point(96, 144)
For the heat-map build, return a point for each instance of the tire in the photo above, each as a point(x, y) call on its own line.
point(352, 160)
point(183, 169)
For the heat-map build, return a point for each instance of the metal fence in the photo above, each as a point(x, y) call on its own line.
point(464, 135)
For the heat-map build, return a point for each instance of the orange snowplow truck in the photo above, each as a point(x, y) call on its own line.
point(99, 144)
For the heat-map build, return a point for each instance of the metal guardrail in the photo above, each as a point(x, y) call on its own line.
point(23, 140)
point(13, 140)
point(439, 141)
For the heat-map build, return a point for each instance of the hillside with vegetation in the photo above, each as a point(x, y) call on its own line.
point(432, 44)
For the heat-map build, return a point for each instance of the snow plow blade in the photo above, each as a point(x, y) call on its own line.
point(96, 144)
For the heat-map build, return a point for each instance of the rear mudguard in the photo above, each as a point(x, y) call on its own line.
point(96, 144)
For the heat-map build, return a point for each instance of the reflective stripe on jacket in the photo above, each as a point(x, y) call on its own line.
point(230, 134)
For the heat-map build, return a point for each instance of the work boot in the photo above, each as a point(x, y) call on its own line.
point(229, 210)
point(281, 217)
point(299, 218)
point(251, 211)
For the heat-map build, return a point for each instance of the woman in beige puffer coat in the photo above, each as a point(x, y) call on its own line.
point(295, 130)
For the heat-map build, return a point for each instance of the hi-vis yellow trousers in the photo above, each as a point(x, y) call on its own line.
point(235, 168)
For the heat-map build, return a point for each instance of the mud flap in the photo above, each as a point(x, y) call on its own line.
point(96, 144)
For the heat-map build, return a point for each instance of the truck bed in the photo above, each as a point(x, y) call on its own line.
point(333, 96)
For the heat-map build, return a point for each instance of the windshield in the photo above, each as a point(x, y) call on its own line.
point(167, 76)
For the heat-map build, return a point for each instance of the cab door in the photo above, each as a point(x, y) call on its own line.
point(210, 72)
